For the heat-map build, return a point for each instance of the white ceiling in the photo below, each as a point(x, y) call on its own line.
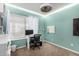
point(36, 6)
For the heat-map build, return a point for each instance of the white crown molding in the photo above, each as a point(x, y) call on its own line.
point(63, 8)
point(26, 10)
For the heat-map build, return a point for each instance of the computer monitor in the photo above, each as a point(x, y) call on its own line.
point(28, 32)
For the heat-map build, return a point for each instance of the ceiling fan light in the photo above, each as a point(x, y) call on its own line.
point(46, 7)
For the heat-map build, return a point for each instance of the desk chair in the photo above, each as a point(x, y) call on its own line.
point(35, 41)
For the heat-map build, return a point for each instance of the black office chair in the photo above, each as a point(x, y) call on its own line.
point(35, 41)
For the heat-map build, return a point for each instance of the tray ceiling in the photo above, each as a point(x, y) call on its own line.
point(36, 6)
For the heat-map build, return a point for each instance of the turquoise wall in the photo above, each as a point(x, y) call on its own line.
point(63, 21)
point(41, 26)
point(19, 42)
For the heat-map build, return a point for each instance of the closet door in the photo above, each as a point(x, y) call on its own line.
point(17, 26)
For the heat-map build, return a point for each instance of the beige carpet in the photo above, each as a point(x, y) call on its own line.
point(45, 50)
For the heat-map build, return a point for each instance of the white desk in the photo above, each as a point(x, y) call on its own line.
point(21, 38)
point(28, 40)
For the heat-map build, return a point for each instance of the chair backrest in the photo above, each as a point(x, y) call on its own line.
point(32, 39)
point(37, 37)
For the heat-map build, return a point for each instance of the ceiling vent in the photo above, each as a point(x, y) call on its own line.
point(46, 7)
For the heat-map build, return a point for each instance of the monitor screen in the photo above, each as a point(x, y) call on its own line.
point(28, 32)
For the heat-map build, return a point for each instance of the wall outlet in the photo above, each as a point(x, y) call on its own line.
point(72, 44)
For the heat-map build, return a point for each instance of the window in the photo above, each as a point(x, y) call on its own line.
point(17, 26)
point(32, 24)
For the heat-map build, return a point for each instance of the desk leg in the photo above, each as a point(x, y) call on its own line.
point(28, 45)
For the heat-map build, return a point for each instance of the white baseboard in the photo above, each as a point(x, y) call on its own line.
point(62, 47)
point(21, 47)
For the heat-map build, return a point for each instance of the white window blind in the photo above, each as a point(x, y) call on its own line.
point(32, 24)
point(17, 26)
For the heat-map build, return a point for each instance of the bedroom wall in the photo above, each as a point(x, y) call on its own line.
point(63, 21)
